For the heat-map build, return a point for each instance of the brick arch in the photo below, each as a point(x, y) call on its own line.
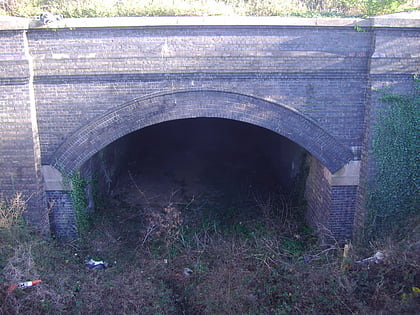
point(154, 109)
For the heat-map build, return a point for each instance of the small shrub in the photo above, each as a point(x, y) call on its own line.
point(164, 224)
point(378, 7)
point(11, 211)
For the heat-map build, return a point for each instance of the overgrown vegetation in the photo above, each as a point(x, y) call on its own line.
point(107, 8)
point(201, 255)
point(394, 193)
point(11, 211)
point(78, 191)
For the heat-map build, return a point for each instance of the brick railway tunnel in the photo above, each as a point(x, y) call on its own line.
point(73, 88)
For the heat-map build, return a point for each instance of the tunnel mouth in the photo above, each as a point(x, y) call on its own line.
point(185, 172)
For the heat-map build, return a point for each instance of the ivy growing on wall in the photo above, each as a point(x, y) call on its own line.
point(80, 202)
point(393, 200)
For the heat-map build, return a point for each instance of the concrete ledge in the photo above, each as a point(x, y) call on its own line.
point(53, 180)
point(13, 23)
point(403, 20)
point(347, 176)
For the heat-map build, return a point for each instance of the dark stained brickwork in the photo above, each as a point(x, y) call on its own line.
point(342, 207)
point(62, 218)
point(330, 208)
point(92, 85)
point(318, 196)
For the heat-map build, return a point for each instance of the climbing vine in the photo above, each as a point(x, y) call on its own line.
point(393, 199)
point(80, 202)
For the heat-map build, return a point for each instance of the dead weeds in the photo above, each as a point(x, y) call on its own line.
point(194, 256)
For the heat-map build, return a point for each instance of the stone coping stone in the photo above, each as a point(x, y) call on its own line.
point(407, 19)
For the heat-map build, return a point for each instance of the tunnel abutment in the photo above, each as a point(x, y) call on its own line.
point(330, 199)
point(60, 204)
point(330, 153)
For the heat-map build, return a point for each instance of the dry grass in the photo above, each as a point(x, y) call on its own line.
point(245, 264)
point(11, 211)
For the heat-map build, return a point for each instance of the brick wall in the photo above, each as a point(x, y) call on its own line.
point(318, 196)
point(342, 208)
point(63, 223)
point(331, 208)
point(201, 103)
point(92, 85)
point(85, 73)
point(19, 160)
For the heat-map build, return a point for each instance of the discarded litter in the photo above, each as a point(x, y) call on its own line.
point(187, 272)
point(96, 264)
point(22, 285)
point(377, 258)
point(47, 18)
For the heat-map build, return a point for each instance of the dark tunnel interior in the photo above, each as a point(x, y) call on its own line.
point(210, 151)
point(221, 161)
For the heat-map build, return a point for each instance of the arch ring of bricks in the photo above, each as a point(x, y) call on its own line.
point(183, 104)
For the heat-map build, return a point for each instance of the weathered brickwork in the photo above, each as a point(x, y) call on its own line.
point(19, 166)
point(330, 207)
point(200, 103)
point(94, 84)
point(62, 218)
point(318, 196)
point(342, 207)
point(319, 72)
